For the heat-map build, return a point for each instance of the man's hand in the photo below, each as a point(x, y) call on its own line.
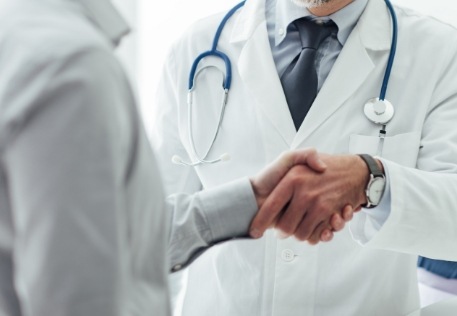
point(266, 182)
point(308, 201)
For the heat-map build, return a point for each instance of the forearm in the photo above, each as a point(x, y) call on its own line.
point(423, 216)
point(207, 218)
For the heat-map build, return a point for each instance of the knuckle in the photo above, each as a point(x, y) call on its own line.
point(295, 174)
point(321, 201)
point(304, 197)
point(315, 196)
point(309, 196)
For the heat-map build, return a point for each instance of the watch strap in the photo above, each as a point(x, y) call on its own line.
point(375, 172)
point(372, 165)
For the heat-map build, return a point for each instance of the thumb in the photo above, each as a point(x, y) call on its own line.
point(308, 157)
point(264, 182)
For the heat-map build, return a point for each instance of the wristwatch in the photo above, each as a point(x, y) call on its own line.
point(376, 184)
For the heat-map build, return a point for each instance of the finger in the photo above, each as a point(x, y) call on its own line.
point(337, 222)
point(308, 224)
point(322, 229)
point(311, 158)
point(264, 182)
point(327, 235)
point(291, 217)
point(308, 157)
point(278, 233)
point(271, 209)
point(348, 213)
point(357, 209)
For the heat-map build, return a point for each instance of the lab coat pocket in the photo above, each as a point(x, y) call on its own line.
point(402, 148)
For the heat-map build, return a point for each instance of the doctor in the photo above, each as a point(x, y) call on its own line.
point(370, 268)
point(84, 228)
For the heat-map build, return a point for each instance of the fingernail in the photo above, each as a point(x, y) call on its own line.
point(327, 236)
point(255, 233)
point(339, 222)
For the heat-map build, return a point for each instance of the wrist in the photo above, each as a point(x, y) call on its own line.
point(374, 188)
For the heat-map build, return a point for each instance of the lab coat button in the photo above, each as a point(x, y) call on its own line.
point(287, 255)
point(281, 32)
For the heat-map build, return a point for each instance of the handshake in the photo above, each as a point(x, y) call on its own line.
point(309, 195)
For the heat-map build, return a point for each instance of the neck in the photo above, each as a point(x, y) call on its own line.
point(329, 7)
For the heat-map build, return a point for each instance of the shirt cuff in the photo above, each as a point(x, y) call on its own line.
point(209, 217)
point(229, 209)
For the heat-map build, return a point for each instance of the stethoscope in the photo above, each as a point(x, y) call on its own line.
point(378, 110)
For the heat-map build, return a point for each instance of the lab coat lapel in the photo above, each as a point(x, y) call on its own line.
point(258, 71)
point(352, 67)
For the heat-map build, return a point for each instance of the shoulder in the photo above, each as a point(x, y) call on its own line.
point(45, 38)
point(199, 36)
point(45, 43)
point(424, 28)
point(426, 42)
point(204, 27)
point(48, 54)
point(46, 33)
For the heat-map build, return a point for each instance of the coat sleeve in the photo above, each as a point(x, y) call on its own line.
point(423, 214)
point(65, 164)
point(208, 217)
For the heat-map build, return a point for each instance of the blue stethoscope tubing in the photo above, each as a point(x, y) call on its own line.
point(226, 86)
point(374, 107)
point(393, 51)
point(216, 53)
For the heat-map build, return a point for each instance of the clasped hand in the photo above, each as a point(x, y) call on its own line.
point(308, 195)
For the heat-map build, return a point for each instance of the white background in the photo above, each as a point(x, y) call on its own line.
point(156, 24)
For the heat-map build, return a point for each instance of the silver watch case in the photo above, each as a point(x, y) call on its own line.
point(375, 190)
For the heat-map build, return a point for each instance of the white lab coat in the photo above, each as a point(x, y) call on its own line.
point(286, 277)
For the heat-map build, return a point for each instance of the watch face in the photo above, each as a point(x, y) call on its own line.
point(376, 189)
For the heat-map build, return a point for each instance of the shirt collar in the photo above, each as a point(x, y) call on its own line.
point(106, 17)
point(345, 19)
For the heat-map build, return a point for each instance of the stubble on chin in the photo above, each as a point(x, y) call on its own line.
point(310, 3)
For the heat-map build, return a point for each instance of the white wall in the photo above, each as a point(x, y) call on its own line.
point(161, 22)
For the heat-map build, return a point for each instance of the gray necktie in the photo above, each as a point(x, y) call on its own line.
point(299, 81)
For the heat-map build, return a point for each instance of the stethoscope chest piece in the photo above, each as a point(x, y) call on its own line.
point(379, 111)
